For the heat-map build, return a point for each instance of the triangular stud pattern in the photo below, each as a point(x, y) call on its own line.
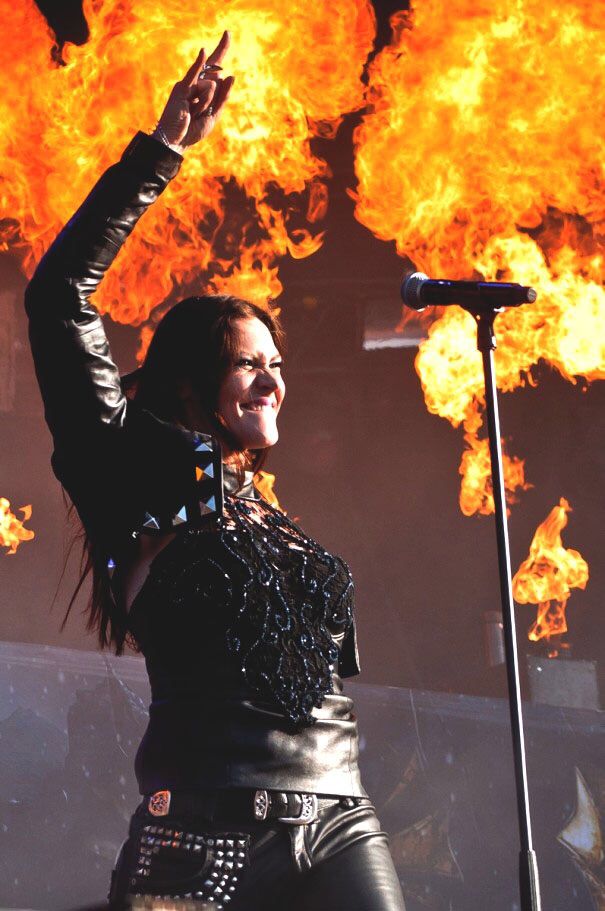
point(207, 506)
point(180, 517)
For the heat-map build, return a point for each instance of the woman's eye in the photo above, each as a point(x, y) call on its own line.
point(277, 365)
point(245, 362)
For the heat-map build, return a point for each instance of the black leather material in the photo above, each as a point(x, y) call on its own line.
point(107, 455)
point(339, 863)
point(118, 463)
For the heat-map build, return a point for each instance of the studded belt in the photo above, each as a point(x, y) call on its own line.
point(243, 804)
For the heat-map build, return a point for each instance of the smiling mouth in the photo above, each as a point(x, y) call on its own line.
point(258, 406)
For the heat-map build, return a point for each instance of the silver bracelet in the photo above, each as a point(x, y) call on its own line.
point(161, 135)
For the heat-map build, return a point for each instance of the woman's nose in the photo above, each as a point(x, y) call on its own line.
point(266, 380)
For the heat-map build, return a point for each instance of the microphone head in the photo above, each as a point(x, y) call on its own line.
point(410, 290)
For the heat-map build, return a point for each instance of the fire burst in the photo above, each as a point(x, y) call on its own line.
point(12, 530)
point(297, 74)
point(63, 125)
point(548, 574)
point(490, 118)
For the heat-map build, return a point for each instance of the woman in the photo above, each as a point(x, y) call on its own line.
point(248, 769)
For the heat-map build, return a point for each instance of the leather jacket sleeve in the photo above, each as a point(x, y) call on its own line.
point(105, 450)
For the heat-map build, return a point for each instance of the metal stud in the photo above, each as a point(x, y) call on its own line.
point(209, 471)
point(208, 506)
point(151, 522)
point(181, 517)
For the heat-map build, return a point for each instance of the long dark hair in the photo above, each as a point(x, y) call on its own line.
point(193, 344)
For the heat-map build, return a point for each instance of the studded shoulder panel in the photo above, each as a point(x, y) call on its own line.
point(206, 499)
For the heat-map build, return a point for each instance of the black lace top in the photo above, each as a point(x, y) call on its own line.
point(252, 584)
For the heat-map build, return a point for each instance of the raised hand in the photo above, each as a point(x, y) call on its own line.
point(196, 101)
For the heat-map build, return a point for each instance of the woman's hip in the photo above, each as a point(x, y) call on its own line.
point(229, 858)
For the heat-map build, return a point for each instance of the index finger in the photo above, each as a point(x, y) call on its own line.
point(221, 49)
point(195, 69)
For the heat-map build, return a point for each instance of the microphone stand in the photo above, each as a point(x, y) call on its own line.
point(528, 867)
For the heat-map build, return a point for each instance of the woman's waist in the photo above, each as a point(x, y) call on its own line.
point(187, 706)
point(248, 744)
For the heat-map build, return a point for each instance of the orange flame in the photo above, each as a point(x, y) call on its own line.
point(548, 574)
point(12, 531)
point(63, 125)
point(476, 491)
point(264, 482)
point(489, 116)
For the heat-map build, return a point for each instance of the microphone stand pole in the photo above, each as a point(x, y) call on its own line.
point(528, 867)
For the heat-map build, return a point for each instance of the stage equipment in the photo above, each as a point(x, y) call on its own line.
point(419, 291)
point(484, 300)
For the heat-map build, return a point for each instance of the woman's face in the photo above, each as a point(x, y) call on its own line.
point(252, 392)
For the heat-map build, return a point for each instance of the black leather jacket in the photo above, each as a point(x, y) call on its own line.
point(107, 456)
point(121, 465)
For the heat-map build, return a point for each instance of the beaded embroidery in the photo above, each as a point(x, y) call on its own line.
point(297, 596)
point(275, 597)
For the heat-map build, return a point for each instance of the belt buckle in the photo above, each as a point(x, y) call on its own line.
point(159, 803)
point(308, 812)
point(307, 815)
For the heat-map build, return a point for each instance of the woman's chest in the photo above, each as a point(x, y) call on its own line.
point(253, 567)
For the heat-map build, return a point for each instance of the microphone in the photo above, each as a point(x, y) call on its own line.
point(419, 291)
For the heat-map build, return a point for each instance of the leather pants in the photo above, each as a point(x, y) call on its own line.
point(341, 862)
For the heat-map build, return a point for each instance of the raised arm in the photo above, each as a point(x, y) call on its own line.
point(78, 379)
